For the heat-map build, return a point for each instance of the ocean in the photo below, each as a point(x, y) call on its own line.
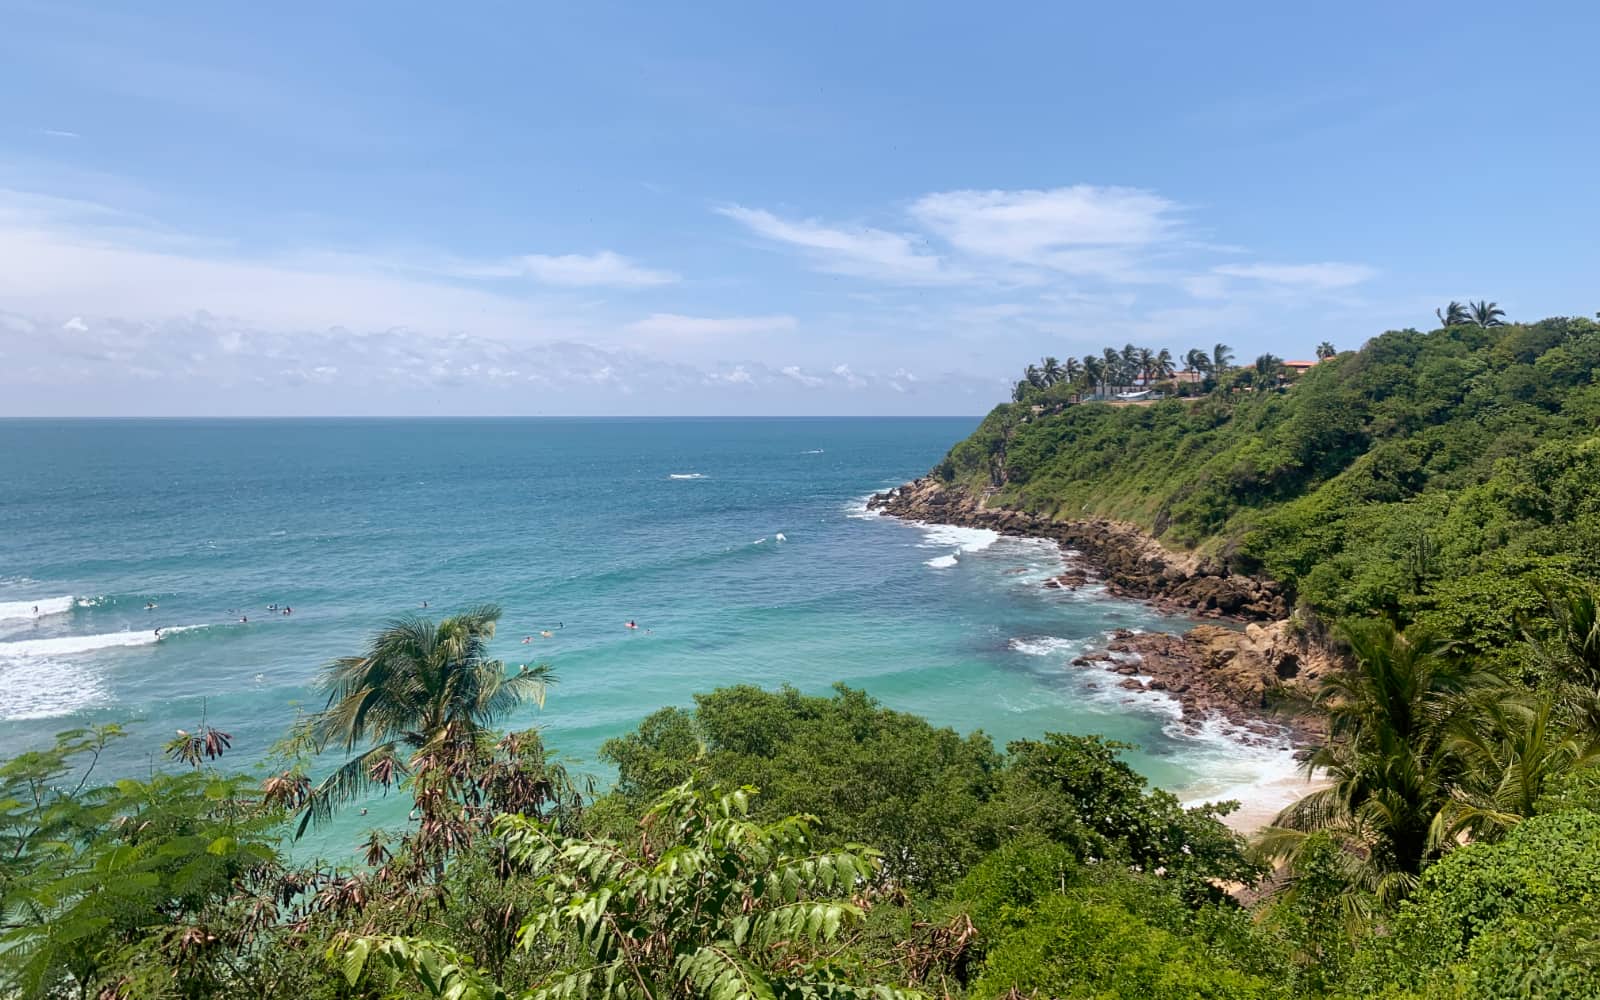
point(571, 525)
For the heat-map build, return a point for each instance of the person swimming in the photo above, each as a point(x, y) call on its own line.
point(547, 634)
point(288, 610)
point(150, 605)
point(273, 606)
point(243, 619)
point(424, 603)
point(527, 639)
point(632, 624)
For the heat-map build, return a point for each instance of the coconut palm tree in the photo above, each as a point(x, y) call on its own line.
point(1114, 367)
point(1221, 359)
point(1144, 363)
point(1162, 367)
point(1393, 720)
point(1326, 350)
point(1050, 370)
point(1487, 314)
point(1454, 314)
point(1034, 377)
point(1510, 754)
point(1071, 369)
point(1094, 372)
point(1269, 369)
point(419, 689)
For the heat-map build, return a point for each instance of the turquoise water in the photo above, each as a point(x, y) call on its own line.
point(585, 523)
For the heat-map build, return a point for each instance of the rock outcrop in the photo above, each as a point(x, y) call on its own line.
point(1129, 562)
point(1262, 672)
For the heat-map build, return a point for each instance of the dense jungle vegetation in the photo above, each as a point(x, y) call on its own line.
point(1431, 501)
point(1438, 478)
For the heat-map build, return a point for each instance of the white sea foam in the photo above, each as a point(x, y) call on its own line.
point(685, 475)
point(942, 562)
point(813, 451)
point(12, 610)
point(858, 509)
point(40, 689)
point(1234, 763)
point(1046, 645)
point(939, 536)
point(67, 644)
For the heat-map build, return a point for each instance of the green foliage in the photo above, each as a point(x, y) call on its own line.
point(1479, 442)
point(931, 801)
point(1051, 927)
point(870, 775)
point(1512, 919)
point(707, 903)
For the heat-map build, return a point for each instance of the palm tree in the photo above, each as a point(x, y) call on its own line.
point(1071, 369)
point(1269, 369)
point(1454, 314)
point(1050, 370)
point(1197, 360)
point(1510, 756)
point(1034, 377)
point(1221, 359)
point(1326, 350)
point(1389, 752)
point(1144, 362)
point(1094, 370)
point(427, 687)
point(1114, 367)
point(1163, 367)
point(1487, 314)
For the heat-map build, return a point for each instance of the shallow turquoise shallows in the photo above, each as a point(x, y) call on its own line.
point(742, 548)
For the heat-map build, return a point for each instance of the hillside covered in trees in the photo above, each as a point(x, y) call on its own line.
point(1439, 478)
point(1428, 501)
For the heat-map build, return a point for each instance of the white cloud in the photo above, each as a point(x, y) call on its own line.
point(76, 325)
point(59, 133)
point(1327, 275)
point(794, 372)
point(701, 327)
point(580, 271)
point(861, 251)
point(1028, 225)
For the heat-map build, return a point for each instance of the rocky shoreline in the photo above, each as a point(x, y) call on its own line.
point(1258, 677)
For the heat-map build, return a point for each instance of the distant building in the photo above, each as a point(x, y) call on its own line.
point(1189, 376)
point(1298, 368)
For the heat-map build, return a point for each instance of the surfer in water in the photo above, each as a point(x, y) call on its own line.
point(632, 624)
point(243, 619)
point(150, 605)
point(158, 631)
point(288, 610)
point(547, 634)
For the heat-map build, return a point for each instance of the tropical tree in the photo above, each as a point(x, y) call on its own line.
point(1326, 350)
point(423, 694)
point(1144, 363)
point(1071, 369)
point(1050, 371)
point(1115, 367)
point(1570, 653)
point(1269, 369)
point(1094, 371)
point(1511, 753)
point(1162, 367)
point(1390, 754)
point(704, 903)
point(1487, 314)
point(1221, 359)
point(1454, 314)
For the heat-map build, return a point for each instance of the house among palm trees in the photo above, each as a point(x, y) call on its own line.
point(1295, 369)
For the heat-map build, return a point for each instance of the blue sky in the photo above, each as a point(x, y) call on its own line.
point(756, 208)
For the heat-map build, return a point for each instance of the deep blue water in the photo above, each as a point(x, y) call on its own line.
point(586, 523)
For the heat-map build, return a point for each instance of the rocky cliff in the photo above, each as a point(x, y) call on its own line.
point(1264, 670)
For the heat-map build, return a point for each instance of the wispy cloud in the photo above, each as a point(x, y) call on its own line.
point(673, 325)
point(59, 133)
point(1325, 276)
point(603, 269)
point(861, 251)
